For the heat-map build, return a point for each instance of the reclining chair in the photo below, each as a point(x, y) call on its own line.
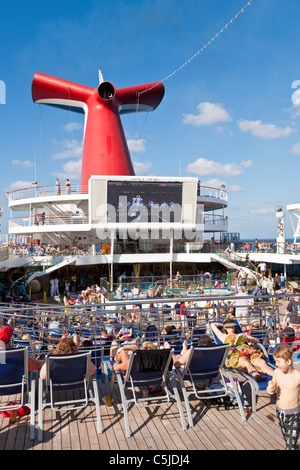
point(257, 388)
point(15, 379)
point(147, 367)
point(68, 372)
point(206, 364)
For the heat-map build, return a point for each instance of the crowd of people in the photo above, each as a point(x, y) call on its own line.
point(124, 330)
point(49, 249)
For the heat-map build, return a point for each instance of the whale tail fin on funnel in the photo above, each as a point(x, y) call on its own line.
point(105, 150)
point(140, 98)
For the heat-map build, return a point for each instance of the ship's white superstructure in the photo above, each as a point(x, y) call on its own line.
point(121, 220)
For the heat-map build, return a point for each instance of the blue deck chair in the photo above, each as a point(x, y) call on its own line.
point(151, 333)
point(96, 356)
point(257, 388)
point(25, 343)
point(15, 379)
point(137, 377)
point(68, 372)
point(196, 333)
point(105, 344)
point(262, 334)
point(88, 332)
point(175, 342)
point(99, 354)
point(176, 332)
point(296, 357)
point(207, 364)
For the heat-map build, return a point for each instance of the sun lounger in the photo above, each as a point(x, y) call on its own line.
point(15, 379)
point(67, 372)
point(206, 365)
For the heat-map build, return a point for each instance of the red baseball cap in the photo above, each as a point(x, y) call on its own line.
point(5, 334)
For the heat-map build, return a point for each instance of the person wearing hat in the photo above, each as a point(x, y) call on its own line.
point(6, 333)
point(255, 326)
point(242, 356)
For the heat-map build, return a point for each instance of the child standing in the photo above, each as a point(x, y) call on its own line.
point(286, 384)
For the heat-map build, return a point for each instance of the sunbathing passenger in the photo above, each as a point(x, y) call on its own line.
point(179, 360)
point(65, 346)
point(242, 356)
point(123, 354)
point(125, 332)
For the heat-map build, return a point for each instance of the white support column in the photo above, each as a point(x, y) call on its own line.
point(294, 210)
point(171, 255)
point(112, 247)
point(281, 230)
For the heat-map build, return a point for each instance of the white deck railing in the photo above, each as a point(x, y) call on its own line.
point(217, 193)
point(39, 220)
point(77, 188)
point(46, 191)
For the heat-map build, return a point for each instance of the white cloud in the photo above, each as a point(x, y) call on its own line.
point(213, 183)
point(247, 163)
point(204, 167)
point(141, 168)
point(235, 188)
point(261, 211)
point(68, 149)
point(296, 149)
point(71, 170)
point(73, 126)
point(264, 131)
point(24, 163)
point(296, 99)
point(216, 183)
point(208, 113)
point(136, 145)
point(223, 130)
point(19, 185)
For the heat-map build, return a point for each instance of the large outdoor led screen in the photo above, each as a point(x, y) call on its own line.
point(144, 201)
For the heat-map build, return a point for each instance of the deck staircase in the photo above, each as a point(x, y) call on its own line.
point(231, 265)
point(59, 263)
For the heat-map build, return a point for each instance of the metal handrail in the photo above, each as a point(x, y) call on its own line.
point(218, 193)
point(78, 188)
point(67, 218)
point(48, 219)
point(45, 191)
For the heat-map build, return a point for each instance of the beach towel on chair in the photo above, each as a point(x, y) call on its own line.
point(153, 360)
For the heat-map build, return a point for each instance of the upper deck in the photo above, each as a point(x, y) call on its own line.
point(175, 203)
point(19, 199)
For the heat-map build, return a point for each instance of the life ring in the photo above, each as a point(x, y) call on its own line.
point(169, 282)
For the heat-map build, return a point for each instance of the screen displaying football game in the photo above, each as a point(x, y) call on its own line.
point(144, 201)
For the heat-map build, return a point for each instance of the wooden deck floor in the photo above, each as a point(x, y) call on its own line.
point(153, 429)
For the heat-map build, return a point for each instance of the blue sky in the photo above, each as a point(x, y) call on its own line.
point(229, 116)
